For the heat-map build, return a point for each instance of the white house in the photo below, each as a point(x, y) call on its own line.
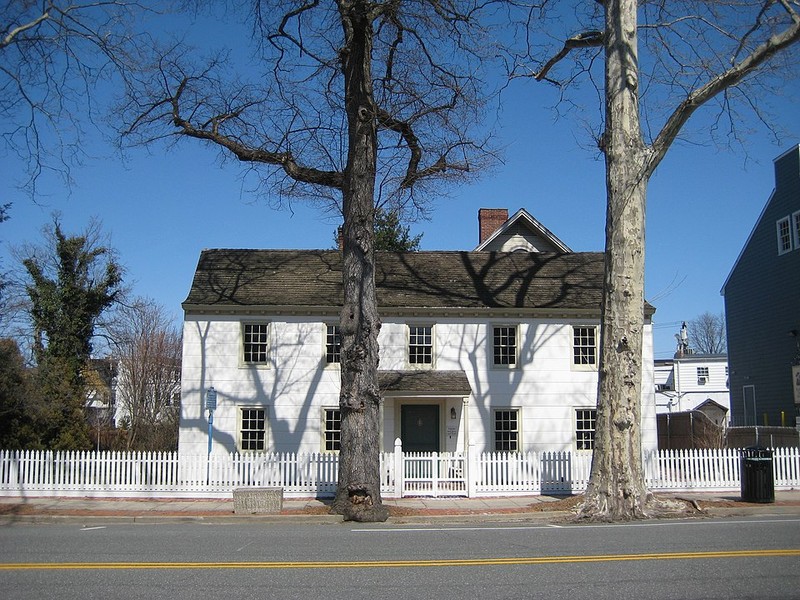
point(688, 382)
point(493, 349)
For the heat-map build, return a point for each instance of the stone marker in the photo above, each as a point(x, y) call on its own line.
point(254, 501)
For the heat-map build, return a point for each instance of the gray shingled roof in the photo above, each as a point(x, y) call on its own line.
point(435, 280)
point(453, 382)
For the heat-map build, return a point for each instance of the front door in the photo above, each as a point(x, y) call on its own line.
point(419, 427)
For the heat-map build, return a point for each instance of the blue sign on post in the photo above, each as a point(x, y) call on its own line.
point(211, 399)
point(211, 405)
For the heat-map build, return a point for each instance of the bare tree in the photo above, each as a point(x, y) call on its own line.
point(707, 334)
point(53, 58)
point(662, 61)
point(147, 351)
point(364, 104)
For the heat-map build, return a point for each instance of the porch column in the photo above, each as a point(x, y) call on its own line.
point(465, 421)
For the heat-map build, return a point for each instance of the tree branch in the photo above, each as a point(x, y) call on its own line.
point(413, 172)
point(211, 133)
point(720, 83)
point(587, 39)
point(9, 39)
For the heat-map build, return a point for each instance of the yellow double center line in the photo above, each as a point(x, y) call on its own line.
point(371, 564)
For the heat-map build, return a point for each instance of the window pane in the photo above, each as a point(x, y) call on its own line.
point(420, 345)
point(796, 229)
point(255, 337)
point(253, 429)
point(585, 421)
point(333, 344)
point(333, 429)
point(506, 430)
point(505, 345)
point(784, 236)
point(584, 346)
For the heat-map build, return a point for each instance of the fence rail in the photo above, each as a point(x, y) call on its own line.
point(402, 474)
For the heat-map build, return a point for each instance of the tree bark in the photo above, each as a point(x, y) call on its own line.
point(616, 489)
point(358, 495)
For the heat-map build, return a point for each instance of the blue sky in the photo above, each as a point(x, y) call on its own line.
point(162, 208)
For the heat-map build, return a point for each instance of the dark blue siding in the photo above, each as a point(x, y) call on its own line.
point(762, 308)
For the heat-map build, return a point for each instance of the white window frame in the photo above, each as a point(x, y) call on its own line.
point(335, 439)
point(515, 357)
point(517, 442)
point(595, 355)
point(337, 353)
point(431, 346)
point(588, 440)
point(261, 364)
point(241, 421)
point(783, 229)
point(703, 373)
point(795, 225)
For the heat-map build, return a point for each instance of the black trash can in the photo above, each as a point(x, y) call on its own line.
point(757, 480)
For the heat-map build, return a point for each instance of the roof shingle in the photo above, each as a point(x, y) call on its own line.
point(433, 280)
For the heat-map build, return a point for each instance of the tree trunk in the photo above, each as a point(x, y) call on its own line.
point(358, 495)
point(616, 489)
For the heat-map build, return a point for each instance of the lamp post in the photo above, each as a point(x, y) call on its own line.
point(211, 404)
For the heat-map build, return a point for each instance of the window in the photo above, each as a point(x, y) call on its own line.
point(331, 429)
point(584, 346)
point(252, 430)
point(784, 236)
point(420, 345)
point(505, 345)
point(333, 344)
point(255, 343)
point(702, 375)
point(506, 430)
point(796, 229)
point(585, 423)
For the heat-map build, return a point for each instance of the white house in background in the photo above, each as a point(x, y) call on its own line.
point(688, 382)
point(493, 349)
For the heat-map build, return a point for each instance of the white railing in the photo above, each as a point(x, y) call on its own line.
point(402, 474)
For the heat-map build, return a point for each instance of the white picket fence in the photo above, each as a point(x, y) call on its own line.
point(472, 474)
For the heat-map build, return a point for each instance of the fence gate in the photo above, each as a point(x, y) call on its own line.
point(434, 474)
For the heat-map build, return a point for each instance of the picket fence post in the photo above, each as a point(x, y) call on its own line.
point(399, 470)
point(472, 470)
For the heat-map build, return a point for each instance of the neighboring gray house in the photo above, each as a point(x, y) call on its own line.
point(497, 350)
point(762, 309)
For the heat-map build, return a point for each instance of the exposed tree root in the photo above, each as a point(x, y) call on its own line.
point(360, 506)
point(598, 509)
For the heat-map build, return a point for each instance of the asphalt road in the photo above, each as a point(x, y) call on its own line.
point(728, 559)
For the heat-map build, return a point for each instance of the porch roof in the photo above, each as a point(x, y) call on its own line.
point(450, 383)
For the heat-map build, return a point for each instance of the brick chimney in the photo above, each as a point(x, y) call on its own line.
point(490, 220)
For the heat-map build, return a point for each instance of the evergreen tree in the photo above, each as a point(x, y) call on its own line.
point(70, 285)
point(16, 430)
point(391, 235)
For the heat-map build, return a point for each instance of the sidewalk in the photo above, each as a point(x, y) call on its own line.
point(404, 510)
